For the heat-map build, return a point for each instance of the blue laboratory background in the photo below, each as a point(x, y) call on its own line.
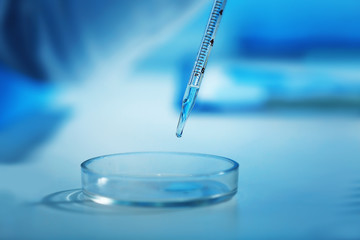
point(281, 96)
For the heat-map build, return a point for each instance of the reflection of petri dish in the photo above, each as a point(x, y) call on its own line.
point(159, 179)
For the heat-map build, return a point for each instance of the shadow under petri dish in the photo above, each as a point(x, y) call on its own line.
point(159, 179)
point(75, 201)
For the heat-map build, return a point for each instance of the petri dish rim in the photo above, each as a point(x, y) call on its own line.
point(234, 166)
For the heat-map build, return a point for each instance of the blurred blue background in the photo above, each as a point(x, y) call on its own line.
point(281, 95)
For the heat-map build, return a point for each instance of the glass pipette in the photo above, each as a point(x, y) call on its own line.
point(197, 74)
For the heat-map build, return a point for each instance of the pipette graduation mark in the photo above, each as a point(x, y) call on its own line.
point(198, 71)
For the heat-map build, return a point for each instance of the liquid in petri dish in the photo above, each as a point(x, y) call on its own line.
point(159, 179)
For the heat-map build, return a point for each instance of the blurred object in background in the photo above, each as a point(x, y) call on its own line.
point(246, 85)
point(282, 55)
point(21, 96)
point(27, 115)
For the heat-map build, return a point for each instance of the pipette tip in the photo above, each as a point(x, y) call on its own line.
point(180, 126)
point(179, 135)
point(187, 106)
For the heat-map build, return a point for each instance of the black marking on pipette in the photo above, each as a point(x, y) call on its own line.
point(202, 70)
point(212, 42)
point(221, 11)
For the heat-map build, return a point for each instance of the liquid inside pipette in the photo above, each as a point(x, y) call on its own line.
point(187, 106)
point(200, 64)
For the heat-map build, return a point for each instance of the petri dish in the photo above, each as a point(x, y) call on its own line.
point(159, 179)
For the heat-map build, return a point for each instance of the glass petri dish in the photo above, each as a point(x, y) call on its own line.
point(159, 179)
